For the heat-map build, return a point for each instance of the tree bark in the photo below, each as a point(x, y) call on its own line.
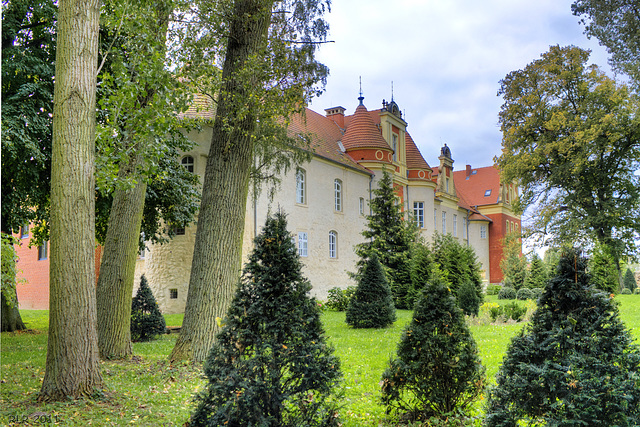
point(11, 320)
point(115, 282)
point(217, 258)
point(72, 367)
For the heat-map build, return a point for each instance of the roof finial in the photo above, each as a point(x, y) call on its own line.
point(391, 90)
point(361, 98)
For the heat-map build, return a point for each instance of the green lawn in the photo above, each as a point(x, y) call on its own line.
point(148, 391)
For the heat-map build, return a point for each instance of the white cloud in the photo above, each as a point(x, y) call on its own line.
point(445, 58)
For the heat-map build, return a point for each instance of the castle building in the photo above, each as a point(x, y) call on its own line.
point(327, 201)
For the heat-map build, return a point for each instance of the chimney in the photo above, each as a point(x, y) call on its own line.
point(337, 115)
point(468, 171)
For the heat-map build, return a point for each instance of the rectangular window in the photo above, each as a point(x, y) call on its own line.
point(395, 147)
point(337, 188)
point(418, 213)
point(447, 184)
point(300, 186)
point(179, 231)
point(333, 244)
point(43, 251)
point(24, 231)
point(302, 243)
point(444, 222)
point(455, 226)
point(173, 294)
point(361, 206)
point(483, 231)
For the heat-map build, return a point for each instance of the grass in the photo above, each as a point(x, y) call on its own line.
point(148, 391)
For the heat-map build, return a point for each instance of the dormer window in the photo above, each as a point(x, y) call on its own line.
point(487, 193)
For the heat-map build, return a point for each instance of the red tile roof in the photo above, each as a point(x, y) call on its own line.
point(414, 157)
point(325, 135)
point(362, 132)
point(472, 188)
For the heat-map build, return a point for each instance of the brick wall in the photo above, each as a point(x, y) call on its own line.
point(33, 277)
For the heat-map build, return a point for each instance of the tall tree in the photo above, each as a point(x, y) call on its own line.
point(141, 100)
point(28, 50)
point(616, 24)
point(72, 367)
point(268, 72)
point(513, 263)
point(571, 137)
point(391, 238)
point(538, 275)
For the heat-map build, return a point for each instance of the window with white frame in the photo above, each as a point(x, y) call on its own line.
point(361, 205)
point(188, 163)
point(301, 190)
point(302, 243)
point(444, 222)
point(43, 251)
point(455, 225)
point(24, 231)
point(483, 231)
point(337, 189)
point(418, 213)
point(333, 244)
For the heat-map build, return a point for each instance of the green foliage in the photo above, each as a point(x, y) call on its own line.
point(9, 259)
point(507, 292)
point(422, 266)
point(493, 289)
point(513, 263)
point(338, 298)
point(28, 53)
point(524, 294)
point(390, 237)
point(537, 293)
point(457, 262)
point(437, 370)
point(603, 271)
point(270, 364)
point(630, 280)
point(575, 352)
point(468, 299)
point(372, 304)
point(146, 319)
point(511, 310)
point(615, 25)
point(626, 291)
point(570, 138)
point(537, 276)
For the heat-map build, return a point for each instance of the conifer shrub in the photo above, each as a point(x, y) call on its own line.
point(507, 292)
point(147, 321)
point(437, 370)
point(574, 364)
point(422, 265)
point(626, 291)
point(468, 299)
point(630, 280)
point(524, 294)
point(493, 289)
point(537, 293)
point(372, 304)
point(270, 365)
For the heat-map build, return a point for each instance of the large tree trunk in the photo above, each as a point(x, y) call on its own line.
point(72, 367)
point(11, 320)
point(115, 282)
point(217, 257)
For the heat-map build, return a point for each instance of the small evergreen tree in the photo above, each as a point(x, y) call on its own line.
point(513, 263)
point(458, 263)
point(603, 271)
point(270, 365)
point(372, 305)
point(537, 276)
point(390, 236)
point(630, 280)
point(468, 300)
point(146, 319)
point(437, 369)
point(421, 268)
point(575, 364)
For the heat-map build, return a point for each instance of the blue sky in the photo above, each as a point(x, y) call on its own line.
point(446, 59)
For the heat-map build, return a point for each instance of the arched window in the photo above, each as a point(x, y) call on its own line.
point(188, 163)
point(337, 188)
point(333, 244)
point(301, 186)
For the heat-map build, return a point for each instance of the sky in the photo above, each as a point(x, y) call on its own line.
point(445, 60)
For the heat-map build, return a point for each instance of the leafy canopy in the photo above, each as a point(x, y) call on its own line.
point(571, 137)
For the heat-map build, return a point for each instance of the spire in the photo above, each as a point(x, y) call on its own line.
point(361, 98)
point(391, 90)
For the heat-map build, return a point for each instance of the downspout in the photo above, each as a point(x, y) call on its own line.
point(467, 225)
